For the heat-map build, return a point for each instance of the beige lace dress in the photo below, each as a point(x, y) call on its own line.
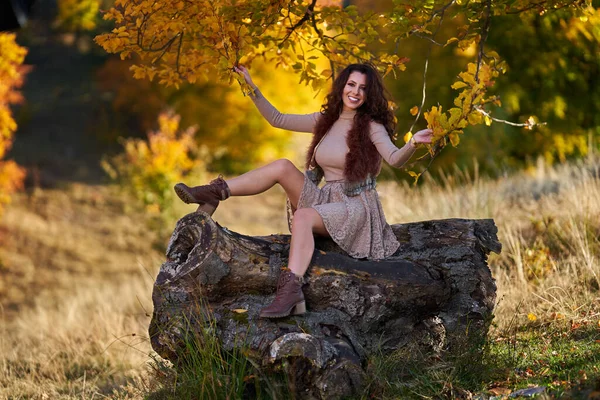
point(356, 223)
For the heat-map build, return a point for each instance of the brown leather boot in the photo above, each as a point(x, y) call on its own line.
point(289, 298)
point(208, 196)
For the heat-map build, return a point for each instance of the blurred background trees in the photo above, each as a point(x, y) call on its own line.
point(548, 53)
point(11, 79)
point(550, 49)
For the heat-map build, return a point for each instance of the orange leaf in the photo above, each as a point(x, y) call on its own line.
point(531, 317)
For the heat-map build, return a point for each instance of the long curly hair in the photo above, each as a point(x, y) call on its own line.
point(362, 159)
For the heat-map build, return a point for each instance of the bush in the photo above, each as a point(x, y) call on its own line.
point(149, 168)
point(11, 78)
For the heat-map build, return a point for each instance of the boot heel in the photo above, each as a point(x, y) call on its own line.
point(299, 308)
point(207, 208)
point(183, 193)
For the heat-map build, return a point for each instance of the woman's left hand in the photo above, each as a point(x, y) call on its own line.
point(422, 136)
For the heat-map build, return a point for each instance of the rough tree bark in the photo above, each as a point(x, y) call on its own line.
point(432, 291)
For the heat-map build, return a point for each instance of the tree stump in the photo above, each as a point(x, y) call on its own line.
point(432, 291)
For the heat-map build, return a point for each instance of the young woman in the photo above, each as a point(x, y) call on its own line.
point(351, 136)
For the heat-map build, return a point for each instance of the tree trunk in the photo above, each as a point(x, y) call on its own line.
point(432, 291)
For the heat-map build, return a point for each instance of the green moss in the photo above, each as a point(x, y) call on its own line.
point(240, 317)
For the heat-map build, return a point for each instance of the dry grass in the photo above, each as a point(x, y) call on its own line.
point(549, 224)
point(77, 267)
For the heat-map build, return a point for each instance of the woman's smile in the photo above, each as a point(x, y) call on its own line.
point(355, 91)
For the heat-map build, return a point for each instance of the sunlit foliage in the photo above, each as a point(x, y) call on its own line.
point(228, 123)
point(77, 15)
point(149, 168)
point(552, 76)
point(179, 41)
point(11, 78)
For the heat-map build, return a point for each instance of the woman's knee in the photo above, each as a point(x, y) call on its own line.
point(284, 167)
point(303, 218)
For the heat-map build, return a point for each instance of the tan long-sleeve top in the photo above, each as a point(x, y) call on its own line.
point(331, 152)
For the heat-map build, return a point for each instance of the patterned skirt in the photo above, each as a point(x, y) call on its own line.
point(356, 223)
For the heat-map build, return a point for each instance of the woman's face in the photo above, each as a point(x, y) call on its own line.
point(354, 93)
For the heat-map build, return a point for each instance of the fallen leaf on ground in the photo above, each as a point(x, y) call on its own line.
point(498, 391)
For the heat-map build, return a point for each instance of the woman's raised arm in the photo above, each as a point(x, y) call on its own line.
point(291, 122)
point(393, 155)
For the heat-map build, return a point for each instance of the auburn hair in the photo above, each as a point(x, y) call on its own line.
point(362, 159)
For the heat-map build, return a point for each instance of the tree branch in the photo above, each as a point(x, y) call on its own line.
point(178, 54)
point(529, 124)
point(441, 12)
point(484, 35)
point(307, 15)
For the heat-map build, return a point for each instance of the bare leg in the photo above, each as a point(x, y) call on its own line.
point(290, 298)
point(306, 222)
point(261, 179)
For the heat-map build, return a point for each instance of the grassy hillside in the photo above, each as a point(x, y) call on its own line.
point(77, 269)
point(78, 265)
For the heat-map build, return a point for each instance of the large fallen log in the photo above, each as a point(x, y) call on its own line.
point(432, 291)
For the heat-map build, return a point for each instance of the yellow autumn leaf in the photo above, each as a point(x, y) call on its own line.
point(407, 137)
point(458, 85)
point(239, 310)
point(475, 118)
point(138, 72)
point(450, 41)
point(414, 175)
point(531, 317)
point(443, 121)
point(454, 138)
point(467, 77)
point(488, 120)
point(455, 114)
point(414, 110)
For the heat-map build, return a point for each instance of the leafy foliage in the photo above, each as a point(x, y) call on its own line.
point(178, 41)
point(149, 168)
point(228, 124)
point(552, 77)
point(11, 78)
point(77, 15)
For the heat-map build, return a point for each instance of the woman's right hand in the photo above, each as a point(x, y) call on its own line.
point(240, 69)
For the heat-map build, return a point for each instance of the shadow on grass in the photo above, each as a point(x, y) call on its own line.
point(562, 358)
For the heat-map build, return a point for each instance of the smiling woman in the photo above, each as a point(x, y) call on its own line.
point(351, 136)
point(354, 91)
